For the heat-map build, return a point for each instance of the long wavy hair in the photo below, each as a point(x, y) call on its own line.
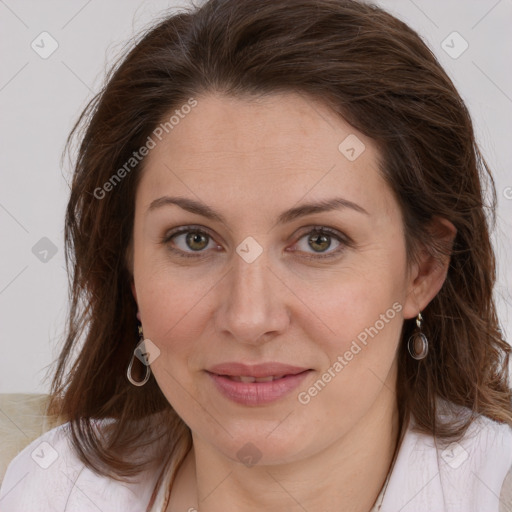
point(373, 71)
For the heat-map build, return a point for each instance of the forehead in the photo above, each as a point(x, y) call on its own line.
point(285, 145)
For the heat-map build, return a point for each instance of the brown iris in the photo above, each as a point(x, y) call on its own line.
point(195, 237)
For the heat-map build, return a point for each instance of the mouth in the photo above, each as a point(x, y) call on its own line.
point(251, 390)
point(269, 371)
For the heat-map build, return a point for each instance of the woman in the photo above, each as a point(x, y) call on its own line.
point(283, 277)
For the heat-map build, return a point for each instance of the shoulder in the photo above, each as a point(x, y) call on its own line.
point(485, 447)
point(33, 477)
point(506, 493)
point(483, 437)
point(47, 475)
point(468, 474)
point(481, 463)
point(495, 445)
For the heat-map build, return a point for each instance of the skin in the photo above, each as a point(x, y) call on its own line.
point(251, 159)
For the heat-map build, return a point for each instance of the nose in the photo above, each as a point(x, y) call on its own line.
point(252, 302)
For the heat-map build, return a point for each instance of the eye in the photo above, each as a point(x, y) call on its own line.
point(319, 240)
point(193, 242)
point(190, 241)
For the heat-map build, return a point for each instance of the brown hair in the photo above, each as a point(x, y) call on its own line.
point(375, 72)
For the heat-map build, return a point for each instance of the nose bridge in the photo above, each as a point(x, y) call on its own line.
point(250, 281)
point(251, 300)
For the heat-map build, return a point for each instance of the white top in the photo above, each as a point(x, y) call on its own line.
point(467, 477)
point(474, 475)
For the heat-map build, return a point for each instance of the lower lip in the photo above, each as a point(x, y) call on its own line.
point(257, 393)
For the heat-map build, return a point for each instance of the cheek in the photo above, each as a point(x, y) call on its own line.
point(169, 309)
point(173, 317)
point(360, 353)
point(364, 329)
point(361, 321)
point(167, 294)
point(355, 300)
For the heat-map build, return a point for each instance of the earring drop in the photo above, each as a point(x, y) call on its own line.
point(139, 349)
point(418, 342)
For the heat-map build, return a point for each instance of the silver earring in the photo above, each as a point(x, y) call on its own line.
point(140, 353)
point(418, 342)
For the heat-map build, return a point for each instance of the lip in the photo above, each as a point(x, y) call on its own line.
point(256, 393)
point(256, 370)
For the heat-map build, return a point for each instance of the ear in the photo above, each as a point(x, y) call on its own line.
point(428, 273)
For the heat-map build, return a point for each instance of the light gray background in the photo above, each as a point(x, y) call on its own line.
point(41, 98)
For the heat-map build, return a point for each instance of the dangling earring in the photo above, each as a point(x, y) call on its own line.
point(418, 342)
point(140, 353)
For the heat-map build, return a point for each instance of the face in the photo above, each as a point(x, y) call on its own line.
point(239, 281)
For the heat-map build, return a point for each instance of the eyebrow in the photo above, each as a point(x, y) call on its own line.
point(199, 208)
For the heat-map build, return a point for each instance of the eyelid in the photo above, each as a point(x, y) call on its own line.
point(185, 229)
point(325, 229)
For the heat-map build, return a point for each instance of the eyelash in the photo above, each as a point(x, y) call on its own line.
point(320, 230)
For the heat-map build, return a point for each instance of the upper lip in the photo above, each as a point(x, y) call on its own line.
point(256, 370)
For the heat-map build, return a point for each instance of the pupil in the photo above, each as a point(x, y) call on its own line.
point(321, 239)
